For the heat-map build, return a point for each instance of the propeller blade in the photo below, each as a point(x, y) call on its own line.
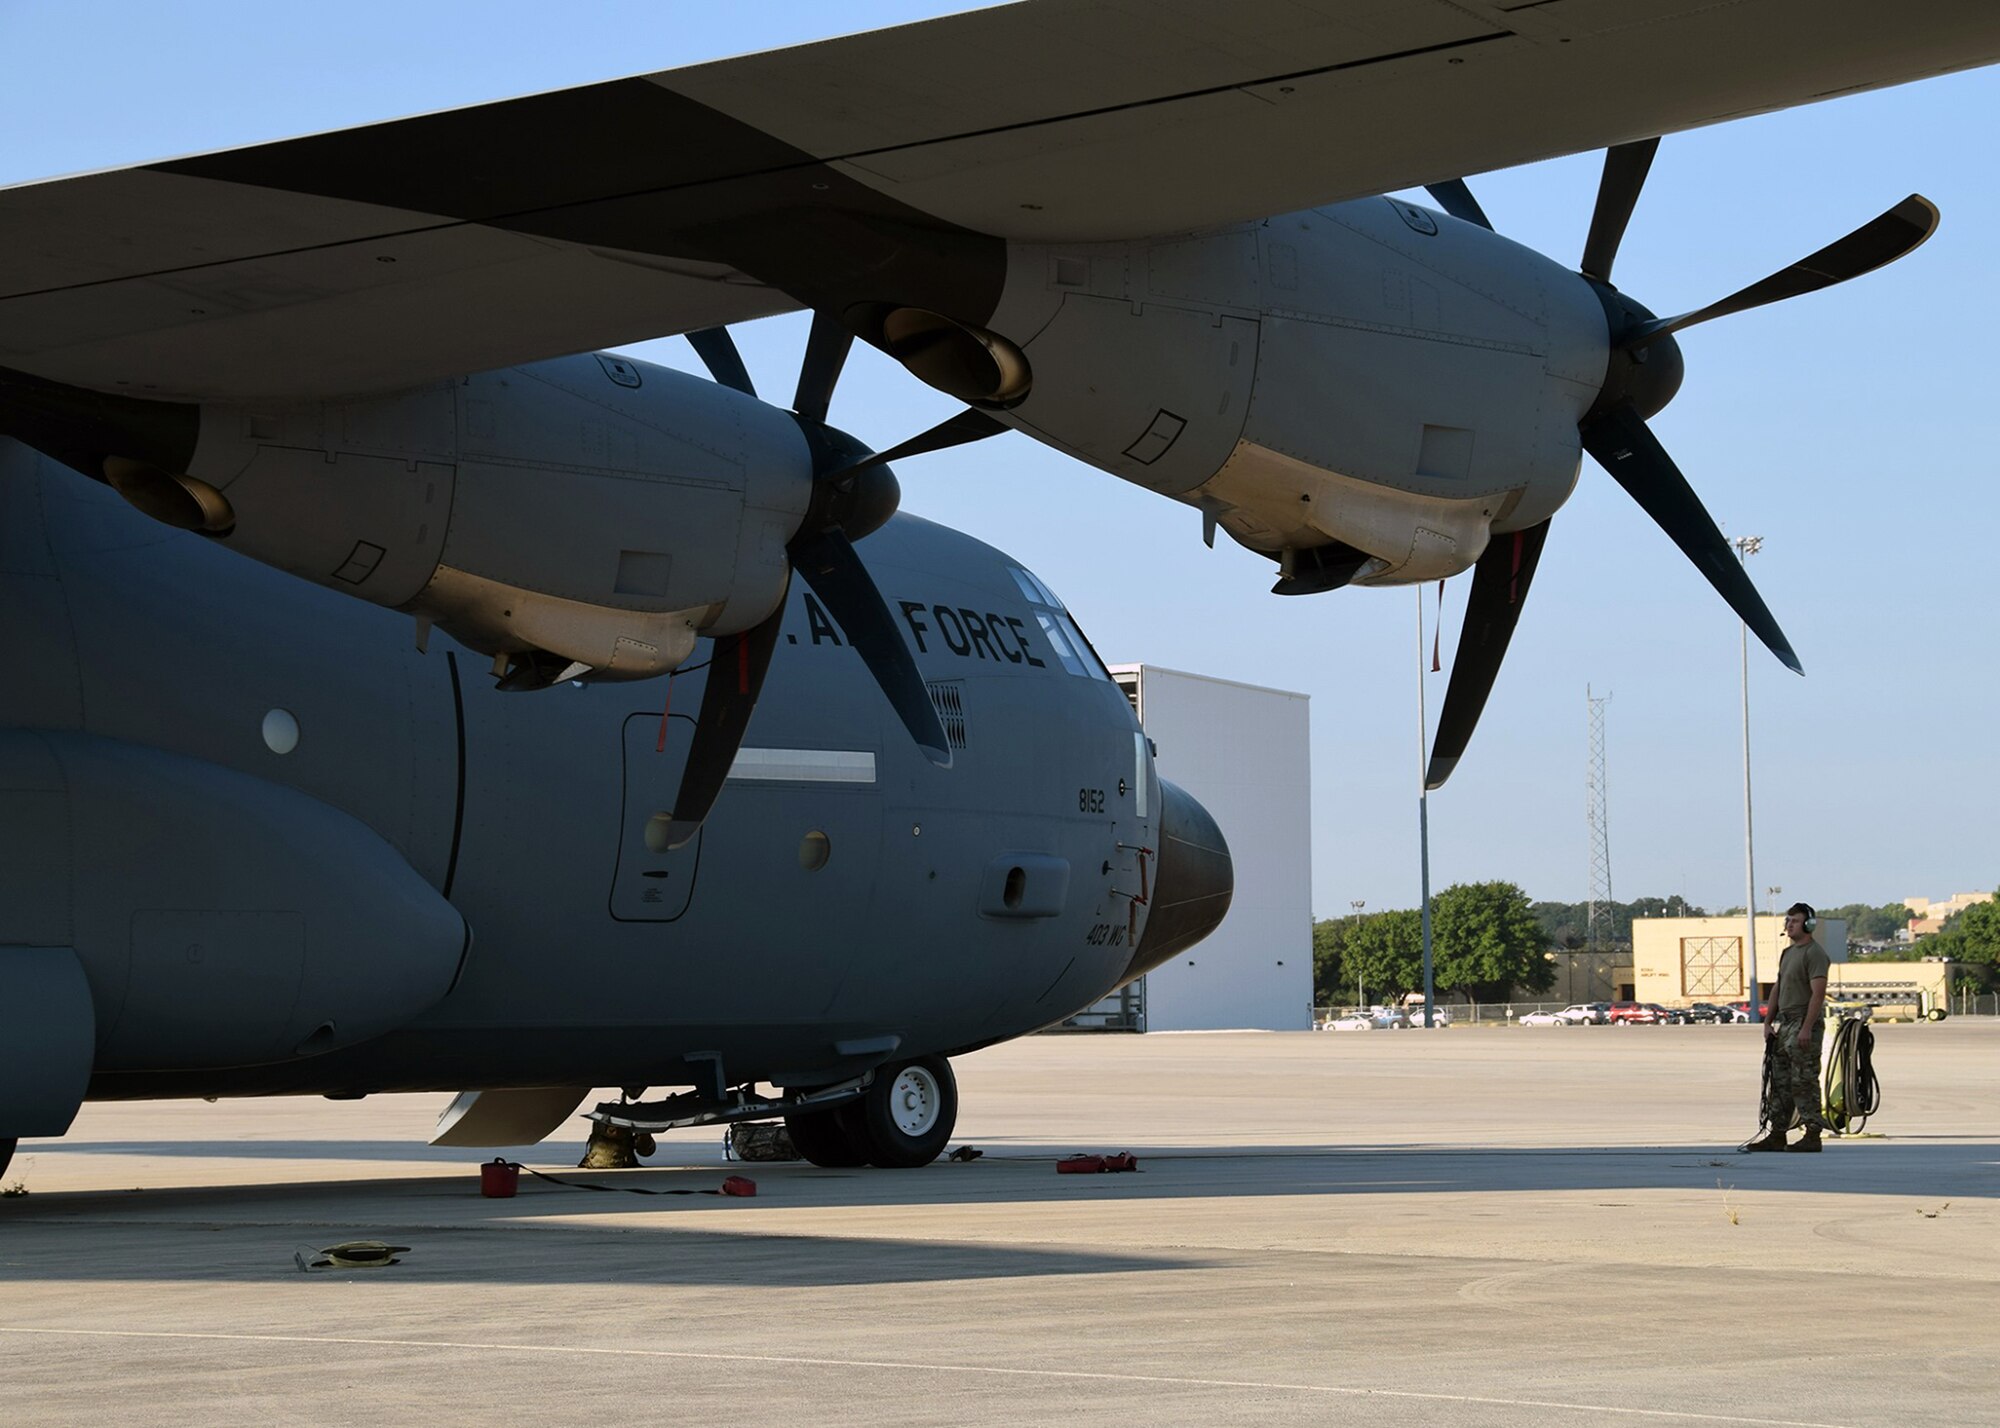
point(1499, 588)
point(717, 350)
point(826, 353)
point(827, 560)
point(1620, 441)
point(1457, 200)
point(1875, 244)
point(1625, 168)
point(736, 668)
point(969, 425)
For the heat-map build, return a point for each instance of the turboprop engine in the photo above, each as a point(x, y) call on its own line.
point(1361, 391)
point(587, 517)
point(1368, 392)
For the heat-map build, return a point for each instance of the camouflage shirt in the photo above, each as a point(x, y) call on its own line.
point(1801, 962)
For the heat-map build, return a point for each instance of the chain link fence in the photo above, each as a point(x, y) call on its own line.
point(1453, 1013)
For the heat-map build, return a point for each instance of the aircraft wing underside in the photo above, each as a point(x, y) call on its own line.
point(880, 170)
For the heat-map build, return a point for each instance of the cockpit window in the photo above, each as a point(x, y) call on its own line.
point(1071, 648)
point(1052, 631)
point(1037, 593)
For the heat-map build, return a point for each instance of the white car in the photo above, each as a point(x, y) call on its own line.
point(1545, 1019)
point(1348, 1023)
point(1581, 1014)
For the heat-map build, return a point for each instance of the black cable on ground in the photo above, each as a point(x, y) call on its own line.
point(1851, 1091)
point(636, 1189)
point(1767, 1096)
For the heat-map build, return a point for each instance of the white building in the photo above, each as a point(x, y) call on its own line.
point(1242, 752)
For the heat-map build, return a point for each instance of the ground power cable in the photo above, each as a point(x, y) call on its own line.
point(1767, 1096)
point(733, 1186)
point(1852, 1091)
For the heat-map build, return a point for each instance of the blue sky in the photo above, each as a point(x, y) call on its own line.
point(1855, 430)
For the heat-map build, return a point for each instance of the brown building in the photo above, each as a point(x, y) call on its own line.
point(1680, 960)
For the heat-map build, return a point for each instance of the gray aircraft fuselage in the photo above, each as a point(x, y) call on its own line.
point(436, 885)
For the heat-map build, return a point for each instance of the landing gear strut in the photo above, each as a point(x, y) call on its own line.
point(904, 1119)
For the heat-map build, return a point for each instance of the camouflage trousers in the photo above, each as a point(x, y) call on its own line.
point(1791, 1091)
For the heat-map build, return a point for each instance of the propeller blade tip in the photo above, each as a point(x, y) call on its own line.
point(1439, 771)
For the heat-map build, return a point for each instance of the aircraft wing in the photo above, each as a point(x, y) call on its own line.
point(882, 169)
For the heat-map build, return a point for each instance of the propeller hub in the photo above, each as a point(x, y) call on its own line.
point(859, 502)
point(1642, 375)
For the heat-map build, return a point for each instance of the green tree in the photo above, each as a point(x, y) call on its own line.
point(1486, 938)
point(1970, 935)
point(1871, 924)
point(1329, 969)
point(1567, 924)
point(1564, 924)
point(1385, 951)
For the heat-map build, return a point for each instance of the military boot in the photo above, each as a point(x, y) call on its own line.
point(1808, 1141)
point(1774, 1141)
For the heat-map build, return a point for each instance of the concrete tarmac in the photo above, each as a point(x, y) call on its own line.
point(1456, 1227)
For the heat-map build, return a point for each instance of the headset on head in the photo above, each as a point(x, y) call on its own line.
point(1812, 918)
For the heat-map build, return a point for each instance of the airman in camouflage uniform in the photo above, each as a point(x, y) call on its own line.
point(1792, 1096)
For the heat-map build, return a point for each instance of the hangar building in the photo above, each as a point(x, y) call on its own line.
point(1242, 751)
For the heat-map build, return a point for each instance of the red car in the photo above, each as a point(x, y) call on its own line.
point(1632, 1014)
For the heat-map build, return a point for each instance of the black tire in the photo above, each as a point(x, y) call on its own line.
point(907, 1115)
point(822, 1137)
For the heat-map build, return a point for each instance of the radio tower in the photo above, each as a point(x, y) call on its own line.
point(1599, 930)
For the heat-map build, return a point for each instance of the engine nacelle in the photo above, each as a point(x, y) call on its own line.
point(1371, 380)
point(584, 517)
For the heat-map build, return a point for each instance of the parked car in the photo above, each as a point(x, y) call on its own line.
point(1354, 1021)
point(1583, 1014)
point(1439, 1016)
point(1666, 1016)
point(1710, 1012)
point(1632, 1014)
point(1545, 1019)
point(1742, 1010)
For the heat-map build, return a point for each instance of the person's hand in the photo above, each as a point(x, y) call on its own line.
point(1805, 1037)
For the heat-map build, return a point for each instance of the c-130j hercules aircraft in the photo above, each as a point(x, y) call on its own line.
point(256, 839)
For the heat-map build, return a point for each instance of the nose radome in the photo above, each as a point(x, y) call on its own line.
point(1193, 886)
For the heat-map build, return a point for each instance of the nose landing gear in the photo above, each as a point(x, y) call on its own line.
point(904, 1119)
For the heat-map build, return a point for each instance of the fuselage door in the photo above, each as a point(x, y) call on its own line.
point(653, 883)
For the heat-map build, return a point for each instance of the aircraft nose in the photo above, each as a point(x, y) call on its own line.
point(1193, 885)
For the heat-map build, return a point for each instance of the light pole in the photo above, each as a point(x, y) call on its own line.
point(1424, 806)
point(1359, 1003)
point(1747, 546)
point(1773, 894)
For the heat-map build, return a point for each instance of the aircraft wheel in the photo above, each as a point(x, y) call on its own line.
point(823, 1138)
point(6, 1153)
point(907, 1115)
